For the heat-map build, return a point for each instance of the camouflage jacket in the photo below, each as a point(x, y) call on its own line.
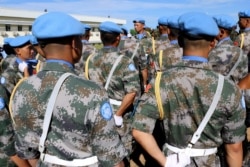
point(125, 78)
point(161, 43)
point(223, 58)
point(7, 147)
point(82, 124)
point(10, 74)
point(187, 90)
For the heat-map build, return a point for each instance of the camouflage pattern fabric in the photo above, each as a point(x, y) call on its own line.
point(82, 124)
point(7, 147)
point(161, 43)
point(10, 74)
point(223, 58)
point(124, 80)
point(170, 57)
point(187, 90)
point(246, 44)
point(87, 50)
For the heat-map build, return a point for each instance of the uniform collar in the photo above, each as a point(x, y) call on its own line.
point(195, 58)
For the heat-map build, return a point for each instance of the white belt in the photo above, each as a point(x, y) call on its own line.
point(75, 162)
point(193, 152)
point(115, 102)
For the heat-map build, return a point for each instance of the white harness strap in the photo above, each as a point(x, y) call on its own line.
point(235, 65)
point(112, 71)
point(202, 152)
point(136, 48)
point(46, 124)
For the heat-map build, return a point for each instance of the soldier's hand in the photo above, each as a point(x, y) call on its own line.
point(248, 134)
point(177, 160)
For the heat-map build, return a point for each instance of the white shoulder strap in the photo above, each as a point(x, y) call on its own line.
point(136, 48)
point(112, 71)
point(235, 65)
point(49, 110)
point(210, 111)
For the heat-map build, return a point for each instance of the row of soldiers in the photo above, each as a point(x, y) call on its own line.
point(175, 99)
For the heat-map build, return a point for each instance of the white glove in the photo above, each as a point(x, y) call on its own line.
point(22, 66)
point(118, 120)
point(177, 160)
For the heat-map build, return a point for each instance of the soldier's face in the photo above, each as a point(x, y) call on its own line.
point(138, 27)
point(25, 52)
point(242, 23)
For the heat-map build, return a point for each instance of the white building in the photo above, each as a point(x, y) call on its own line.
point(15, 22)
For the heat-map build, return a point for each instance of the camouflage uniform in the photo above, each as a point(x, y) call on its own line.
point(78, 127)
point(161, 43)
point(87, 50)
point(7, 134)
point(124, 80)
point(223, 58)
point(10, 74)
point(246, 43)
point(181, 88)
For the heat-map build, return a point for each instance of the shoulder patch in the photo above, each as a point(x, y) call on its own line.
point(106, 111)
point(2, 80)
point(131, 67)
point(2, 103)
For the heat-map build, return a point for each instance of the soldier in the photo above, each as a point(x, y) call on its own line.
point(59, 118)
point(200, 109)
point(88, 50)
point(16, 66)
point(117, 73)
point(243, 40)
point(8, 157)
point(226, 58)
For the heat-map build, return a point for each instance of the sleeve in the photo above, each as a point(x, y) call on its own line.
point(234, 128)
point(106, 143)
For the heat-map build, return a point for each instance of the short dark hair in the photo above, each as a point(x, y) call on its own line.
point(108, 38)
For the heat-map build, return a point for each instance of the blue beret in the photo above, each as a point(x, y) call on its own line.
point(244, 14)
point(139, 20)
point(124, 29)
point(197, 24)
point(225, 21)
point(110, 27)
point(87, 27)
point(19, 41)
point(163, 21)
point(173, 22)
point(7, 40)
point(55, 25)
point(33, 40)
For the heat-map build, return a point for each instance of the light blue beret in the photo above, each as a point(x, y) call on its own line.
point(198, 24)
point(87, 27)
point(56, 25)
point(163, 21)
point(244, 14)
point(225, 21)
point(110, 27)
point(139, 20)
point(19, 41)
point(173, 22)
point(33, 40)
point(7, 40)
point(124, 29)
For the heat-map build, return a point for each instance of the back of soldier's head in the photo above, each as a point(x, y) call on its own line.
point(110, 32)
point(196, 27)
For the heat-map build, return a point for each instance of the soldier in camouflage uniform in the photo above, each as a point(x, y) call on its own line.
point(81, 131)
point(225, 55)
point(172, 52)
point(243, 39)
point(15, 67)
point(123, 87)
point(8, 157)
point(87, 50)
point(185, 93)
point(145, 40)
